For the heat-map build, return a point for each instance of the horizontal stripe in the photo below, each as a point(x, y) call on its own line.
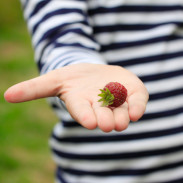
point(121, 45)
point(166, 104)
point(140, 163)
point(39, 6)
point(164, 85)
point(143, 51)
point(30, 6)
point(166, 94)
point(155, 58)
point(70, 124)
point(129, 36)
point(148, 116)
point(137, 18)
point(58, 37)
point(121, 137)
point(76, 35)
point(134, 8)
point(132, 27)
point(155, 67)
point(134, 128)
point(52, 33)
point(160, 76)
point(156, 177)
point(116, 156)
point(58, 23)
point(120, 172)
point(56, 13)
point(47, 11)
point(78, 45)
point(64, 56)
point(114, 3)
point(119, 147)
point(162, 114)
point(80, 28)
point(179, 180)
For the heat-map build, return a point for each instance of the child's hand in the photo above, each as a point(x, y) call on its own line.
point(78, 86)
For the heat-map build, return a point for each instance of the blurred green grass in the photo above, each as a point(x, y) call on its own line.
point(24, 128)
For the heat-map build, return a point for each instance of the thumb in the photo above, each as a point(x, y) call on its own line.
point(40, 87)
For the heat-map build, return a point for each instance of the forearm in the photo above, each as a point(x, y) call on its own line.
point(61, 33)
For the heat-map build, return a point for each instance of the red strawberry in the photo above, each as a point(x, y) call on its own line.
point(113, 95)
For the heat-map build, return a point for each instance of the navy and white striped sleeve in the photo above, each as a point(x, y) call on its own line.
point(61, 33)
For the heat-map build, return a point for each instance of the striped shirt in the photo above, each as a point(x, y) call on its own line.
point(145, 37)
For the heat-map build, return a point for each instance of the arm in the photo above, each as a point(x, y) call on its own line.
point(62, 52)
point(61, 33)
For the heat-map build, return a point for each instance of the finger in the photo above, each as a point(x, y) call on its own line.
point(40, 87)
point(105, 117)
point(121, 116)
point(137, 105)
point(81, 110)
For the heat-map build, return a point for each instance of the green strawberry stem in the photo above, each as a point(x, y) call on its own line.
point(106, 97)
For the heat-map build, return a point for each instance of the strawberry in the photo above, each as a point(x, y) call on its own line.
point(113, 95)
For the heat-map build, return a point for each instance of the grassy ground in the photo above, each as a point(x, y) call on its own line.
point(24, 128)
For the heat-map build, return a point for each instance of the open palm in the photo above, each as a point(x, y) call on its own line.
point(78, 86)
